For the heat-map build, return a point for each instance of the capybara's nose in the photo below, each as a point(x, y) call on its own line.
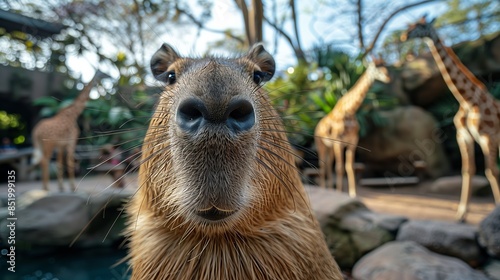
point(192, 115)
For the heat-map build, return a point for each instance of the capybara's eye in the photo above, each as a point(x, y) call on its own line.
point(258, 77)
point(171, 77)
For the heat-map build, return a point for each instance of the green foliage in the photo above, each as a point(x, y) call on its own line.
point(110, 120)
point(470, 16)
point(13, 127)
point(292, 95)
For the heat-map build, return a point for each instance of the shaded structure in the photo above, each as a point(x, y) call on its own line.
point(36, 27)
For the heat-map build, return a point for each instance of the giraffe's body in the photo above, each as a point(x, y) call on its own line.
point(60, 133)
point(339, 130)
point(478, 117)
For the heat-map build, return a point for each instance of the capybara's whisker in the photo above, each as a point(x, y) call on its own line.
point(278, 177)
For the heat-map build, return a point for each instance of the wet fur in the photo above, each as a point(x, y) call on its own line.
point(273, 234)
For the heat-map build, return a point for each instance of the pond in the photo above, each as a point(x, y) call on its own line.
point(89, 264)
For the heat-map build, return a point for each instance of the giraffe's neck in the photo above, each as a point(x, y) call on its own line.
point(75, 109)
point(462, 83)
point(353, 99)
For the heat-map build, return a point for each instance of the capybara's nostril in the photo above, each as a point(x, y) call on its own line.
point(240, 116)
point(190, 115)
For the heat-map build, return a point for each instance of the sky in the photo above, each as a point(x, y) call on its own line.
point(225, 14)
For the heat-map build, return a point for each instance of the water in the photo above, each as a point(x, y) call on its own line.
point(89, 264)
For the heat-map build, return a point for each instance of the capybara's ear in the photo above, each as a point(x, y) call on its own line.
point(161, 60)
point(263, 59)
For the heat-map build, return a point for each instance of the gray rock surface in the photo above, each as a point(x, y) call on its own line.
point(411, 261)
point(351, 230)
point(53, 219)
point(409, 134)
point(47, 220)
point(451, 239)
point(489, 233)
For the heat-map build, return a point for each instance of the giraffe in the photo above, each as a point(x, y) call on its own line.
point(61, 132)
point(338, 130)
point(478, 116)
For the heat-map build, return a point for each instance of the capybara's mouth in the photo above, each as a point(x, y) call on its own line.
point(215, 214)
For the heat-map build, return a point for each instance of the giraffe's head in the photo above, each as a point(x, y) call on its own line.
point(420, 29)
point(378, 71)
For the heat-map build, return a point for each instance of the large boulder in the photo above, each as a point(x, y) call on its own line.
point(351, 230)
point(422, 81)
point(489, 233)
point(53, 220)
point(411, 261)
point(451, 239)
point(50, 220)
point(409, 135)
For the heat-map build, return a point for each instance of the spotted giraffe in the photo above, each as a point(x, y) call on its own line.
point(478, 116)
point(339, 130)
point(61, 132)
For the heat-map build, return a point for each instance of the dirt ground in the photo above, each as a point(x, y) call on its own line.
point(416, 202)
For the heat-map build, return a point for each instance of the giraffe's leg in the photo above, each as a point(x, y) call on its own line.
point(328, 166)
point(349, 167)
point(339, 164)
point(490, 150)
point(60, 168)
point(47, 150)
point(70, 165)
point(466, 145)
point(44, 165)
point(321, 149)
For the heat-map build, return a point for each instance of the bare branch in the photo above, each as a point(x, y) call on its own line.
point(299, 54)
point(200, 25)
point(377, 35)
point(295, 25)
point(359, 12)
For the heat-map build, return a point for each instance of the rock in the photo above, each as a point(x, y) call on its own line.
point(422, 81)
point(415, 72)
point(453, 184)
point(4, 213)
point(29, 197)
point(388, 222)
point(451, 239)
point(410, 134)
point(50, 220)
point(329, 204)
point(411, 261)
point(492, 269)
point(489, 233)
point(351, 230)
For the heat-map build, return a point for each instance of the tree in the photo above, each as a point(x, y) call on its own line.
point(469, 19)
point(364, 16)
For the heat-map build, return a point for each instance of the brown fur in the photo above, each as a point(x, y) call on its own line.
point(271, 235)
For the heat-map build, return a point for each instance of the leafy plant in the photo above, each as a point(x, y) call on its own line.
point(292, 95)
